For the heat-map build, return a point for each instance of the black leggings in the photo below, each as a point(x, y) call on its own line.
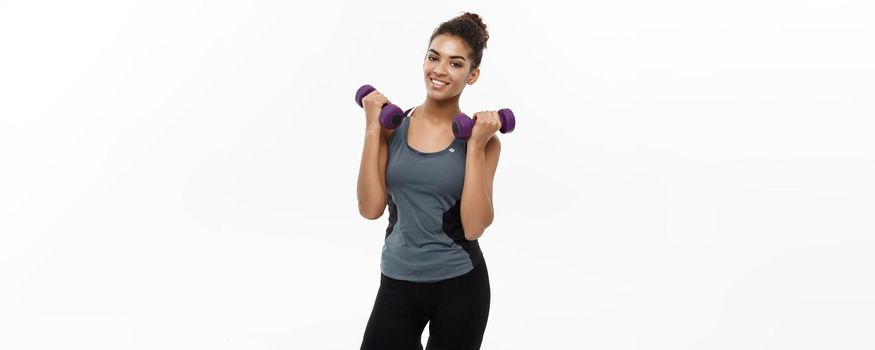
point(457, 309)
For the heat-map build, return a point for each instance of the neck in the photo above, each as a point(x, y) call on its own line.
point(440, 111)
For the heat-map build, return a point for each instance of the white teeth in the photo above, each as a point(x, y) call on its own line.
point(438, 82)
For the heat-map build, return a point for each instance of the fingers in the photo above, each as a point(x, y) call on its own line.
point(375, 98)
point(488, 120)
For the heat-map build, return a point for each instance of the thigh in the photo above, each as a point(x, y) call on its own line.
point(397, 319)
point(459, 319)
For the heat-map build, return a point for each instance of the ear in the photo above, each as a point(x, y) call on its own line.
point(472, 77)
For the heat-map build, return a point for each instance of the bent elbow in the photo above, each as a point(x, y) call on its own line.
point(370, 214)
point(473, 230)
point(473, 236)
point(473, 233)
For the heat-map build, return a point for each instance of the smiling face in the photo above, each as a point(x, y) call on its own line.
point(448, 63)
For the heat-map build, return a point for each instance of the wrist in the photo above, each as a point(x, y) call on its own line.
point(476, 144)
point(373, 128)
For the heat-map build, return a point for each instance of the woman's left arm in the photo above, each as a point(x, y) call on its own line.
point(476, 207)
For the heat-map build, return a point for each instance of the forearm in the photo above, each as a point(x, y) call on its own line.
point(476, 207)
point(371, 191)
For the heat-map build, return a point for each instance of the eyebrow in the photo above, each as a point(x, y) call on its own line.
point(438, 53)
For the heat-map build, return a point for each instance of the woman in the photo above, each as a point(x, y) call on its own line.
point(439, 193)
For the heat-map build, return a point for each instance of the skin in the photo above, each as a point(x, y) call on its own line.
point(430, 130)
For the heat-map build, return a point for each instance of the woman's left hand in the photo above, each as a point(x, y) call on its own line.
point(486, 123)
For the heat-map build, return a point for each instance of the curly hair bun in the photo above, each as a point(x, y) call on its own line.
point(474, 17)
point(479, 21)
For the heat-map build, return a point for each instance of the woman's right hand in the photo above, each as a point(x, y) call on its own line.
point(373, 103)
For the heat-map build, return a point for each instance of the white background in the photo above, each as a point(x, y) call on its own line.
point(684, 174)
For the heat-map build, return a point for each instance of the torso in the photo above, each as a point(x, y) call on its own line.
point(425, 241)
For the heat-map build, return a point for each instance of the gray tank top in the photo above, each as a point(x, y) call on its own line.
point(424, 240)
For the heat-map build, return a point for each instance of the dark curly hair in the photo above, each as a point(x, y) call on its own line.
point(468, 26)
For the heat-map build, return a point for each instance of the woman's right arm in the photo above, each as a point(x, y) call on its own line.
point(372, 192)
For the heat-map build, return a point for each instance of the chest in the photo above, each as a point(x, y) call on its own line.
point(432, 175)
point(429, 140)
point(437, 173)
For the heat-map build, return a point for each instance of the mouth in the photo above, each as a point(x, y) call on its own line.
point(437, 84)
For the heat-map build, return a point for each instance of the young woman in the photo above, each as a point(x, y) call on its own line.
point(439, 193)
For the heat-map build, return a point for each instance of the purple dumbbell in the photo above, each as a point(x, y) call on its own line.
point(462, 124)
point(390, 115)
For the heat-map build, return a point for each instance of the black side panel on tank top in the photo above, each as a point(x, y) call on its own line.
point(452, 226)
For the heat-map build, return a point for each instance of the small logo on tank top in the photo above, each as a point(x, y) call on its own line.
point(452, 150)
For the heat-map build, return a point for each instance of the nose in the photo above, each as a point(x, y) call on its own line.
point(439, 70)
